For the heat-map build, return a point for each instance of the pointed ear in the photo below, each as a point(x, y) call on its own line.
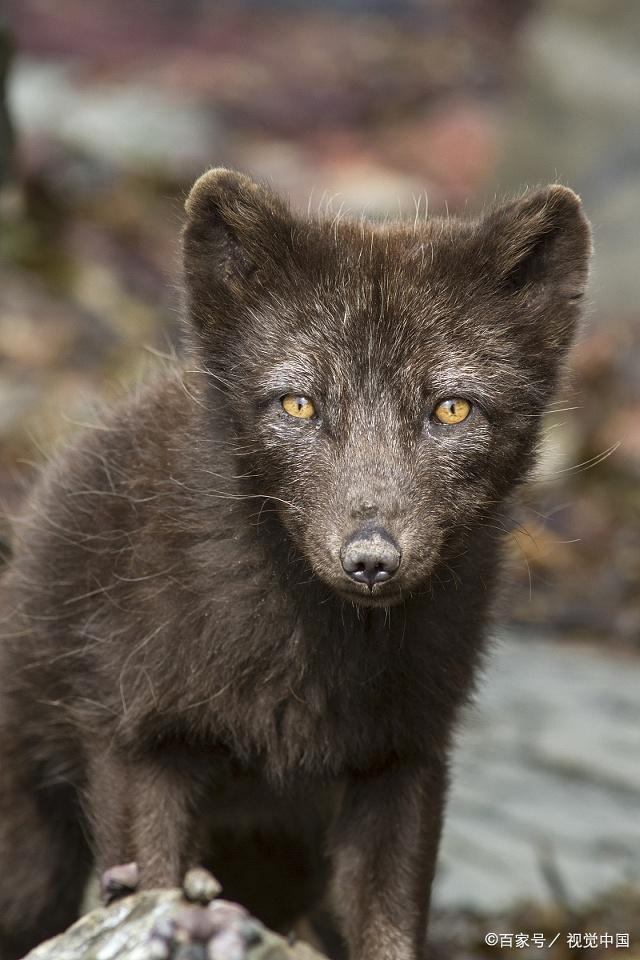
point(237, 232)
point(539, 245)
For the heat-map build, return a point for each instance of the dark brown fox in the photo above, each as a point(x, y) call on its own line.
point(242, 616)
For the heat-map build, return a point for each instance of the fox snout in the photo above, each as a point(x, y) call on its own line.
point(370, 556)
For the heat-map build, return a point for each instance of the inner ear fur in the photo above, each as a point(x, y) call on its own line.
point(541, 239)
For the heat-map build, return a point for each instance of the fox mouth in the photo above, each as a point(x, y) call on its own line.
point(380, 595)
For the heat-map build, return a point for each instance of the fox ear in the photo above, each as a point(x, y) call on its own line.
point(236, 232)
point(539, 244)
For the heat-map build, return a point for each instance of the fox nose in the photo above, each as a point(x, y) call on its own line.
point(370, 556)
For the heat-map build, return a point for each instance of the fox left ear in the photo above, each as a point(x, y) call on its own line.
point(539, 244)
point(236, 234)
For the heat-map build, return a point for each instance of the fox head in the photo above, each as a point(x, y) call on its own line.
point(383, 384)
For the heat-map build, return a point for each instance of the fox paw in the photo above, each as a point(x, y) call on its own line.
point(200, 886)
point(118, 881)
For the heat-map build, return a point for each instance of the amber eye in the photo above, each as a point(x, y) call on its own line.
point(453, 410)
point(300, 407)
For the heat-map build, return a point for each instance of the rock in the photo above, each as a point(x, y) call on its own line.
point(546, 769)
point(152, 926)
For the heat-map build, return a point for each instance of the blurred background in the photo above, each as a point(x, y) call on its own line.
point(110, 109)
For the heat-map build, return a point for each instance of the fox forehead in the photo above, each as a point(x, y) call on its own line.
point(345, 348)
point(441, 376)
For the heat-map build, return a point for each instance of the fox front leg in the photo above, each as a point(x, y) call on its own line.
point(142, 816)
point(385, 843)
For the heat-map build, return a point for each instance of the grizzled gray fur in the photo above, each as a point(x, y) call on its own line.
point(242, 616)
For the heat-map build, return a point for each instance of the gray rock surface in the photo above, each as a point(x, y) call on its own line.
point(547, 772)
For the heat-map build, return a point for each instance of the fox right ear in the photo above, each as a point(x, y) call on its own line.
point(236, 233)
point(541, 242)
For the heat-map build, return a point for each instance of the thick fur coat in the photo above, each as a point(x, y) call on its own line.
point(189, 672)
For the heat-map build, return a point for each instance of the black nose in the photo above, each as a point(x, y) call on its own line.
point(370, 556)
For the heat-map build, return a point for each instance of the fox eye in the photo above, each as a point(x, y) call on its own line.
point(299, 407)
point(452, 410)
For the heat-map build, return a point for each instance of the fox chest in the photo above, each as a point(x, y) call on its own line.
point(324, 733)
